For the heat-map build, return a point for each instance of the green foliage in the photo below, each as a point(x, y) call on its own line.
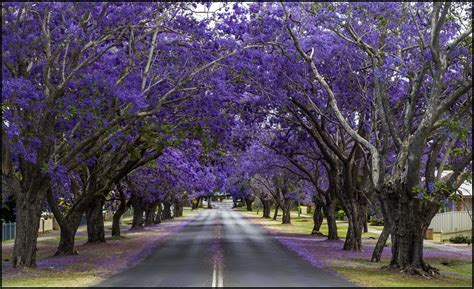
point(376, 222)
point(340, 215)
point(455, 127)
point(460, 239)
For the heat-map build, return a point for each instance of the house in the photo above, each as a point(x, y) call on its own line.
point(455, 218)
point(464, 202)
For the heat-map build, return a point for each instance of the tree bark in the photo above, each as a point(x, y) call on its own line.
point(354, 232)
point(266, 208)
point(317, 217)
point(178, 208)
point(330, 212)
point(275, 215)
point(28, 214)
point(117, 216)
point(68, 223)
point(166, 213)
point(387, 228)
point(150, 210)
point(137, 203)
point(158, 214)
point(248, 202)
point(378, 249)
point(408, 225)
point(286, 218)
point(95, 221)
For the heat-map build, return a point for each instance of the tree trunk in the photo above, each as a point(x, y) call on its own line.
point(330, 212)
point(68, 224)
point(158, 214)
point(122, 208)
point(275, 215)
point(209, 206)
point(150, 210)
point(116, 219)
point(286, 218)
point(353, 240)
point(178, 208)
point(95, 221)
point(410, 219)
point(317, 217)
point(28, 214)
point(66, 242)
point(137, 204)
point(266, 209)
point(387, 228)
point(378, 250)
point(248, 202)
point(166, 213)
point(68, 229)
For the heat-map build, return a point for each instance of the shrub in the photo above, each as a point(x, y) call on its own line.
point(376, 222)
point(340, 215)
point(459, 239)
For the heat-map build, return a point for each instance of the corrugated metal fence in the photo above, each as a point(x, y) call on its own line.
point(8, 231)
point(451, 221)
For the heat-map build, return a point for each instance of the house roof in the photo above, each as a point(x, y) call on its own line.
point(466, 187)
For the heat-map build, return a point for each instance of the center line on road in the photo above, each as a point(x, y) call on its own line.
point(220, 278)
point(217, 277)
point(214, 283)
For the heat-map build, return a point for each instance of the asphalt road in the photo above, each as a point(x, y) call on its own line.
point(249, 257)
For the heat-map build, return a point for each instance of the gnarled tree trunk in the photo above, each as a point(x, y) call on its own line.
point(28, 214)
point(95, 221)
point(408, 228)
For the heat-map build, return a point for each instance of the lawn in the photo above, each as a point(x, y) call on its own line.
point(455, 268)
point(303, 225)
point(365, 273)
point(95, 262)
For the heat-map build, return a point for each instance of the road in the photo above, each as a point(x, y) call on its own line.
point(220, 248)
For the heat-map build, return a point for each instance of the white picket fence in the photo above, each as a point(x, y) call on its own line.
point(452, 221)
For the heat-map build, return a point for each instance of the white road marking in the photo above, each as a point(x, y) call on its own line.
point(214, 283)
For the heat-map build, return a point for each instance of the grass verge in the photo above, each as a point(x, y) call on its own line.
point(95, 262)
point(456, 270)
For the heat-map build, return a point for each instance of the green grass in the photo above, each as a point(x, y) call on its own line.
point(366, 273)
point(75, 275)
point(370, 274)
point(62, 279)
point(303, 225)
